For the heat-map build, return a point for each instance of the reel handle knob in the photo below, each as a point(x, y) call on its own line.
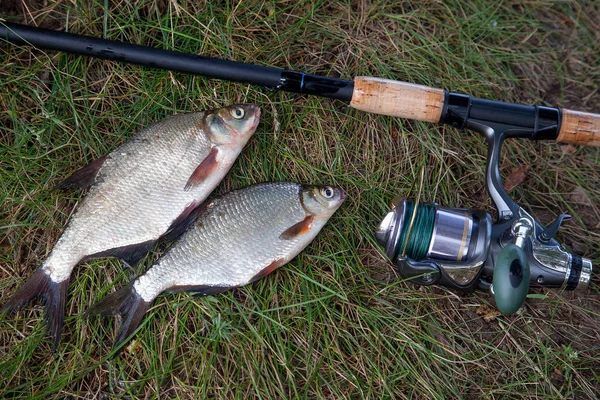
point(511, 279)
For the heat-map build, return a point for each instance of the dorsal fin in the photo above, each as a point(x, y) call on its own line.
point(204, 169)
point(83, 177)
point(298, 229)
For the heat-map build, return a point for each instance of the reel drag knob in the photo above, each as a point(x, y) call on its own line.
point(511, 272)
point(511, 279)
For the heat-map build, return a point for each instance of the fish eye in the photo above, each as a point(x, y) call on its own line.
point(237, 113)
point(327, 192)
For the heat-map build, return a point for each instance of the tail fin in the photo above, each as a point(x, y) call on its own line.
point(126, 302)
point(53, 294)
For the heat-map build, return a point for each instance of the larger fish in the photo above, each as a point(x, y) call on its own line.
point(145, 189)
point(239, 238)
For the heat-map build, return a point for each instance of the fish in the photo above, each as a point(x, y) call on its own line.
point(147, 189)
point(237, 239)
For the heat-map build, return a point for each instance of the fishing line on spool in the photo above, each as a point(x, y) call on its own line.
point(415, 240)
point(422, 219)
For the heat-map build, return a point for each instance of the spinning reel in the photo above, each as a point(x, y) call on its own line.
point(463, 250)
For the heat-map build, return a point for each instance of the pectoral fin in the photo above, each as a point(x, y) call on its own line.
point(203, 170)
point(298, 229)
point(84, 177)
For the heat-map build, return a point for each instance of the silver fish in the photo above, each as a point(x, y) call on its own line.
point(146, 189)
point(237, 239)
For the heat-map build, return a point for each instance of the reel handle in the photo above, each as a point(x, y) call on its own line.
point(511, 279)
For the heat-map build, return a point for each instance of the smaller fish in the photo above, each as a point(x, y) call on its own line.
point(238, 238)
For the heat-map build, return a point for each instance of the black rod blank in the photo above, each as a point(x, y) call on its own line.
point(273, 78)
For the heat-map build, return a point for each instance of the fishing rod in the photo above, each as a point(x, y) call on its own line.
point(370, 94)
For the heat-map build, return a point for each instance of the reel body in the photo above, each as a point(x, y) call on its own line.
point(461, 248)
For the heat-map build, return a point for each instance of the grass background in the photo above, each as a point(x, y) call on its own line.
point(337, 322)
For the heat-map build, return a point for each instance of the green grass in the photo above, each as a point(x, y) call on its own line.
point(337, 322)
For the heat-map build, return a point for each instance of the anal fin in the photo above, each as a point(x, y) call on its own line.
point(131, 254)
point(298, 229)
point(201, 290)
point(206, 167)
point(185, 220)
point(83, 177)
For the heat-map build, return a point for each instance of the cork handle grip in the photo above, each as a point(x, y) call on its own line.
point(579, 128)
point(398, 99)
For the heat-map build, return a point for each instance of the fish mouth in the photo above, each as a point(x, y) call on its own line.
point(342, 194)
point(257, 113)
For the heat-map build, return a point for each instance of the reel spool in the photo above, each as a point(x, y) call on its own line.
point(428, 231)
point(436, 245)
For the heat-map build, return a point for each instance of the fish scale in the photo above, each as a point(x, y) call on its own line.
point(145, 189)
point(237, 239)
